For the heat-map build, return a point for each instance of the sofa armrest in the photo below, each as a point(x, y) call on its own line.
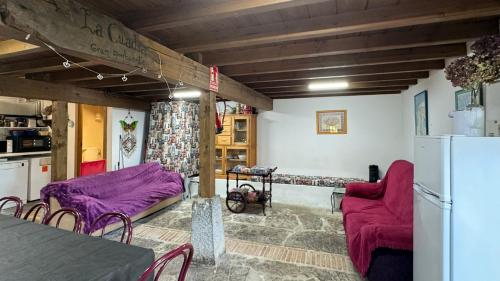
point(364, 190)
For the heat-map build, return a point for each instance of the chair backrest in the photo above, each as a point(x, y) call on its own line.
point(398, 196)
point(59, 214)
point(42, 206)
point(13, 199)
point(105, 219)
point(185, 250)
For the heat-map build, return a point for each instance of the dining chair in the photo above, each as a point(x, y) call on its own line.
point(13, 199)
point(59, 214)
point(111, 217)
point(42, 206)
point(185, 250)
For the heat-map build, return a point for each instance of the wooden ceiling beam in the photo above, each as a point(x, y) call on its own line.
point(301, 85)
point(74, 74)
point(337, 95)
point(114, 82)
point(345, 72)
point(345, 91)
point(196, 13)
point(335, 61)
point(76, 30)
point(38, 65)
point(409, 13)
point(304, 89)
point(436, 34)
point(14, 47)
point(31, 89)
point(140, 88)
point(354, 79)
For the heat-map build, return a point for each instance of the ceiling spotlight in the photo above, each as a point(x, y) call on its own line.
point(144, 70)
point(181, 83)
point(66, 64)
point(124, 78)
point(159, 76)
point(187, 94)
point(100, 77)
point(27, 37)
point(328, 85)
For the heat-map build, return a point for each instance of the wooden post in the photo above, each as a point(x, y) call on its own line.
point(59, 140)
point(207, 145)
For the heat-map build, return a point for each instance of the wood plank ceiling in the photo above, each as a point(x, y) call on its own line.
point(277, 47)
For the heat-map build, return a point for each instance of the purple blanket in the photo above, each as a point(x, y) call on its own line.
point(130, 191)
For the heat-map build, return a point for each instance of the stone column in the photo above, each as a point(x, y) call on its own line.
point(207, 230)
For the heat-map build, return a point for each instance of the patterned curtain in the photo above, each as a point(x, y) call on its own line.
point(174, 133)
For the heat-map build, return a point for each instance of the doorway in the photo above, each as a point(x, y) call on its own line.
point(91, 136)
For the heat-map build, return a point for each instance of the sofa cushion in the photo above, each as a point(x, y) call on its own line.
point(367, 232)
point(361, 205)
point(398, 197)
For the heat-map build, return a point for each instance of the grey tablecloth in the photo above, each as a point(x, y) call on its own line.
point(30, 251)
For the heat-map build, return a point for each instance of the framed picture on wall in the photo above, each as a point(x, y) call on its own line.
point(463, 98)
point(331, 122)
point(421, 114)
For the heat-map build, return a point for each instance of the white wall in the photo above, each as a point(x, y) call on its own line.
point(17, 106)
point(114, 131)
point(441, 101)
point(287, 136)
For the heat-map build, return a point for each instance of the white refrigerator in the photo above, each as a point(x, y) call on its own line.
point(456, 215)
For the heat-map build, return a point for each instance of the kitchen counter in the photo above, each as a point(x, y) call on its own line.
point(19, 154)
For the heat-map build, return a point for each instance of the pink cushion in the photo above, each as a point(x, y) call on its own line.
point(360, 205)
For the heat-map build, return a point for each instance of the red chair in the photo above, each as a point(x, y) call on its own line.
point(186, 250)
point(103, 220)
point(37, 208)
point(66, 211)
point(15, 200)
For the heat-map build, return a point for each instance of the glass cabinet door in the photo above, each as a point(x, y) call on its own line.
point(240, 129)
point(236, 156)
point(219, 163)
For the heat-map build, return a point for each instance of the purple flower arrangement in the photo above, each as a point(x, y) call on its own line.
point(482, 66)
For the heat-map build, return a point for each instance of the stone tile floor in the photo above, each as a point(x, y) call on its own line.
point(289, 244)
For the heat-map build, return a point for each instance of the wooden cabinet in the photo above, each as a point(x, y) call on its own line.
point(237, 144)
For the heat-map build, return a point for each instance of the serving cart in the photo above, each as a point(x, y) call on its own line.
point(238, 198)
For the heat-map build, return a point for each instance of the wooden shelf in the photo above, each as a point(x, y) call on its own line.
point(18, 154)
point(25, 128)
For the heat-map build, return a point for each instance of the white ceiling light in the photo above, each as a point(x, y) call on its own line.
point(187, 94)
point(328, 85)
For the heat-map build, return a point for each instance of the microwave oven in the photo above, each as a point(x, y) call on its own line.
point(31, 143)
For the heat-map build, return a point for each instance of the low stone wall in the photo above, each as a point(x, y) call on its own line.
point(310, 180)
point(292, 194)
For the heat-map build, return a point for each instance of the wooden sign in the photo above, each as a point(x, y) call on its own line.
point(214, 79)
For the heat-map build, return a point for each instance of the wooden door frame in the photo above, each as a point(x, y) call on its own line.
point(78, 136)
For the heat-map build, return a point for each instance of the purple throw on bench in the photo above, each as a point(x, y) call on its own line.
point(130, 191)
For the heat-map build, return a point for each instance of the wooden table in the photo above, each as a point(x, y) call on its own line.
point(30, 251)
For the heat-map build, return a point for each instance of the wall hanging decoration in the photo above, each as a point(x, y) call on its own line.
point(331, 122)
point(128, 138)
point(174, 136)
point(421, 114)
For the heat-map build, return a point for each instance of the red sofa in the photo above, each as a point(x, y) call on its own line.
point(379, 215)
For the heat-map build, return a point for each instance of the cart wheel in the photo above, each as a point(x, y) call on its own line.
point(247, 185)
point(236, 202)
